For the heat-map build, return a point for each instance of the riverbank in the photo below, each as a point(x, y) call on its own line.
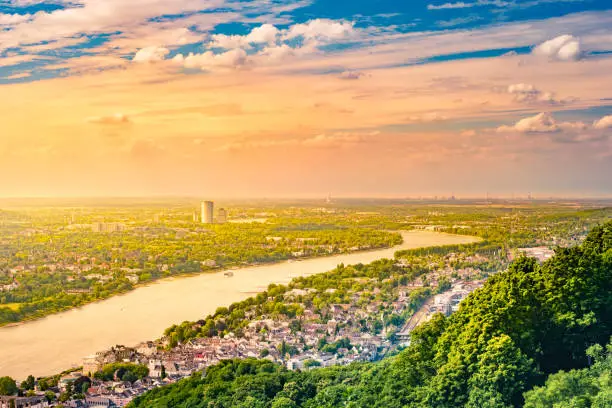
point(232, 267)
point(49, 345)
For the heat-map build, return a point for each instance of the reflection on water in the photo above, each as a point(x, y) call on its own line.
point(57, 342)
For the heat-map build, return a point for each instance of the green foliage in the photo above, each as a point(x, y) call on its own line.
point(58, 266)
point(587, 388)
point(122, 371)
point(29, 383)
point(8, 386)
point(524, 325)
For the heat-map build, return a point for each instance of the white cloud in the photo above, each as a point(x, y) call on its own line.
point(234, 59)
point(462, 5)
point(11, 19)
point(265, 33)
point(543, 123)
point(151, 54)
point(278, 53)
point(321, 30)
point(228, 41)
point(116, 119)
point(527, 93)
point(603, 123)
point(241, 51)
point(562, 48)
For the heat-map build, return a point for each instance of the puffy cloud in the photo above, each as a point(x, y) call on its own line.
point(277, 46)
point(314, 32)
point(265, 33)
point(116, 119)
point(235, 58)
point(562, 48)
point(526, 93)
point(11, 19)
point(228, 41)
point(151, 54)
point(603, 123)
point(540, 123)
point(278, 53)
point(543, 123)
point(321, 30)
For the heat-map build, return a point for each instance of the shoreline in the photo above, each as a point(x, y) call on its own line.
point(219, 271)
point(49, 345)
point(194, 274)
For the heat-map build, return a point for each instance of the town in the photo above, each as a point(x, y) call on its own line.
point(373, 319)
point(354, 313)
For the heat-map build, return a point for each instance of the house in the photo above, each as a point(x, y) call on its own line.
point(23, 402)
point(100, 402)
point(147, 348)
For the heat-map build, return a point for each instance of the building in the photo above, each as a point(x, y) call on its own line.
point(102, 227)
point(222, 216)
point(208, 208)
point(23, 402)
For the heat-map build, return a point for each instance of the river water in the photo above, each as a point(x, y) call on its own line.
point(55, 343)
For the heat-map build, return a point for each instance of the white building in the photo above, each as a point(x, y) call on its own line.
point(207, 212)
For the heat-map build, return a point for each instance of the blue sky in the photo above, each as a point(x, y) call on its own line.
point(374, 17)
point(245, 97)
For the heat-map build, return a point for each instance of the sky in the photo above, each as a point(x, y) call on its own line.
point(282, 98)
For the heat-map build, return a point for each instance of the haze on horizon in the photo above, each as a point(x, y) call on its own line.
point(284, 98)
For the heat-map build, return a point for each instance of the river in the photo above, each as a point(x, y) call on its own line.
point(57, 342)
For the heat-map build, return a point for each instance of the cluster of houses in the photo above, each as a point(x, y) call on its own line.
point(9, 286)
point(268, 338)
point(337, 334)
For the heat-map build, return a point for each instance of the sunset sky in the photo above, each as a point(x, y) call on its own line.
point(270, 98)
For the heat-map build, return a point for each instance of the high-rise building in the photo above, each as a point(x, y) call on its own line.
point(208, 208)
point(222, 216)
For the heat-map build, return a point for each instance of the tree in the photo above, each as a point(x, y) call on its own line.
point(590, 387)
point(503, 374)
point(8, 386)
point(283, 402)
point(50, 396)
point(29, 383)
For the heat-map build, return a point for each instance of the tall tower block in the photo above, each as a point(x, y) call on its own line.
point(207, 212)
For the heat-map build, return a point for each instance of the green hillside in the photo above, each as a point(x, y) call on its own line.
point(511, 344)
